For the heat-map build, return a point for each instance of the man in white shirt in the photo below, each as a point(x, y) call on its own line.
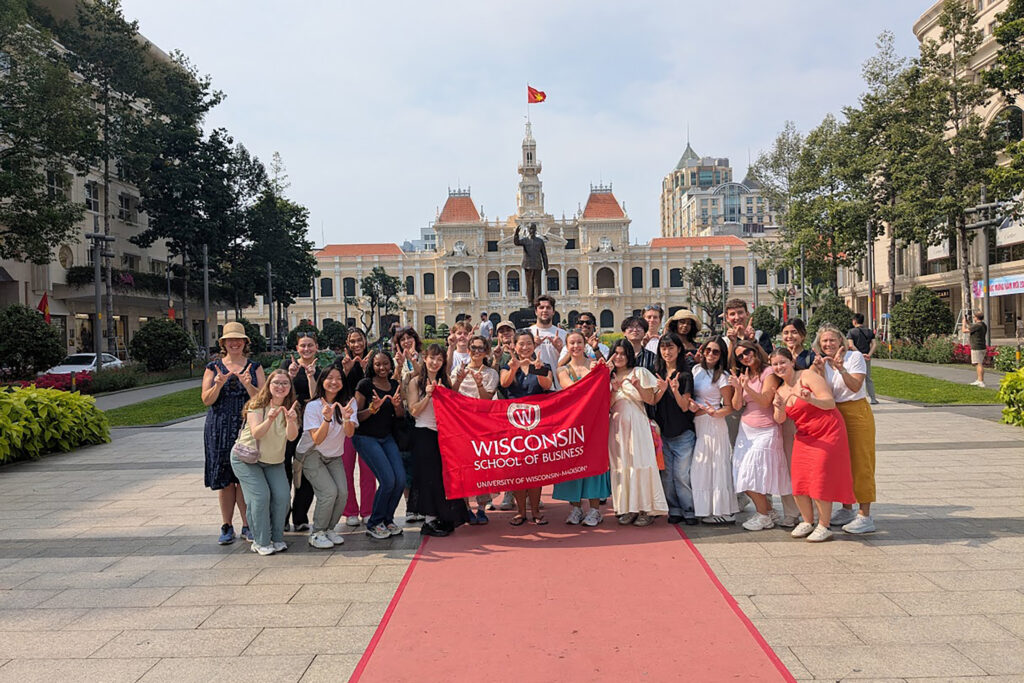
point(550, 338)
point(486, 328)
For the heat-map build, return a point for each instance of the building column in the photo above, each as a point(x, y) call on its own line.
point(620, 277)
point(476, 282)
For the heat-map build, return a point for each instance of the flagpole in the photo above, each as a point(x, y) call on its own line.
point(527, 101)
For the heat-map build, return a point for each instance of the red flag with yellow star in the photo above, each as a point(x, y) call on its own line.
point(44, 308)
point(534, 96)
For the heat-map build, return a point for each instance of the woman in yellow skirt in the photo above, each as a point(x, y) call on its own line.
point(845, 371)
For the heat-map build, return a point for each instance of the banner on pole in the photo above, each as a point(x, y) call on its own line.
point(489, 446)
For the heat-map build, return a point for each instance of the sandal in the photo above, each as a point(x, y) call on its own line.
point(518, 520)
point(540, 521)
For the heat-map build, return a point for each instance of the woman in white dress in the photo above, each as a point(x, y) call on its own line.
point(714, 496)
point(637, 493)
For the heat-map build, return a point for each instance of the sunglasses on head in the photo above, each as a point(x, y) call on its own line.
point(654, 307)
point(306, 335)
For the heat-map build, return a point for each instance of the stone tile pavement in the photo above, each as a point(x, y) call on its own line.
point(109, 571)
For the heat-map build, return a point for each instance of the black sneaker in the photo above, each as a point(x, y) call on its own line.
point(432, 528)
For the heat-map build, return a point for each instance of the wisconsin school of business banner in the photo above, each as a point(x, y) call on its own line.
point(523, 443)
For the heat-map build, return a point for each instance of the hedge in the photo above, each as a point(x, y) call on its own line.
point(1011, 392)
point(34, 422)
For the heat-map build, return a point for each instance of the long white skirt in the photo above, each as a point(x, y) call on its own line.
point(711, 470)
point(633, 464)
point(759, 461)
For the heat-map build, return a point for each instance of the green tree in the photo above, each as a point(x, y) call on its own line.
point(161, 344)
point(108, 53)
point(277, 229)
point(762, 319)
point(257, 342)
point(333, 334)
point(1007, 76)
point(705, 282)
point(47, 126)
point(27, 344)
point(833, 310)
point(775, 169)
point(381, 295)
point(921, 314)
point(304, 327)
point(958, 153)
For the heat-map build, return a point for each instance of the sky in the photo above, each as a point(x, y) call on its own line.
point(377, 109)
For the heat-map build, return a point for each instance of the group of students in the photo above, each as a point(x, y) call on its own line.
point(694, 428)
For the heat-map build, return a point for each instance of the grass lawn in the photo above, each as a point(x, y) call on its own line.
point(158, 410)
point(911, 387)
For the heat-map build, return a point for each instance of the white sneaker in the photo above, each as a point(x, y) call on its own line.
point(593, 517)
point(352, 520)
point(379, 532)
point(319, 540)
point(263, 549)
point(802, 530)
point(820, 533)
point(575, 516)
point(758, 522)
point(393, 529)
point(788, 521)
point(863, 524)
point(335, 538)
point(774, 514)
point(280, 546)
point(842, 516)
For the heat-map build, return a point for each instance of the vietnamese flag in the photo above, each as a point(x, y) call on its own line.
point(534, 96)
point(44, 308)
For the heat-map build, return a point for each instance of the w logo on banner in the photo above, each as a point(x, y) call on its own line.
point(524, 415)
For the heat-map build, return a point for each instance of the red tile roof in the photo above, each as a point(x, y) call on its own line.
point(359, 250)
point(459, 209)
point(698, 242)
point(602, 205)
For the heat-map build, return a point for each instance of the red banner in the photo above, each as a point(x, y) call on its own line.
point(522, 443)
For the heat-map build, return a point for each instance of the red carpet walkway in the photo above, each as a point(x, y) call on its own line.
point(561, 603)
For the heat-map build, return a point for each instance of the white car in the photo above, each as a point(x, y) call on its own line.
point(84, 362)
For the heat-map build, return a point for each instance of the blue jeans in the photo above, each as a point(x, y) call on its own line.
point(385, 461)
point(267, 495)
point(675, 478)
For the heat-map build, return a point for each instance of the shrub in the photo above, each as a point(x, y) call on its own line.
point(35, 421)
point(257, 342)
point(333, 334)
point(429, 332)
point(114, 380)
point(938, 350)
point(161, 344)
point(921, 314)
point(762, 319)
point(303, 326)
point(1011, 392)
point(27, 344)
point(1005, 359)
point(82, 382)
point(832, 310)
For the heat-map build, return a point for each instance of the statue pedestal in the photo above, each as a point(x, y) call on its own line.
point(524, 317)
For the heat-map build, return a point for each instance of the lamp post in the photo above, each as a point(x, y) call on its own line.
point(99, 252)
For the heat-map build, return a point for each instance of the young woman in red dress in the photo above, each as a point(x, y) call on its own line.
point(820, 470)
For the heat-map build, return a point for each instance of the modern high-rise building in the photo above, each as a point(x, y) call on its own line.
point(699, 197)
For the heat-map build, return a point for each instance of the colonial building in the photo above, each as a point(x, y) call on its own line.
point(937, 267)
point(476, 265)
point(700, 197)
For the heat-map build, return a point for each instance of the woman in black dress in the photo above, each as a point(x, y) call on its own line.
point(228, 383)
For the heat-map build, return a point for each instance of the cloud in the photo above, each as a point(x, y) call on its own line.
point(377, 108)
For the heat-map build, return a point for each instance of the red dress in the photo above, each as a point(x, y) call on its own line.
point(821, 454)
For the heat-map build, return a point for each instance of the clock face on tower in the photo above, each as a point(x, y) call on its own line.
point(65, 257)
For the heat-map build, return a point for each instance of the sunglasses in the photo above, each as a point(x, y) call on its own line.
point(306, 335)
point(477, 348)
point(653, 308)
point(744, 353)
point(586, 322)
point(713, 352)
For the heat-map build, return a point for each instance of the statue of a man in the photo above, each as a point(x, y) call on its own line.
point(535, 261)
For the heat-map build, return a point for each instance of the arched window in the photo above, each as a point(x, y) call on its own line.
point(782, 276)
point(607, 318)
point(572, 280)
point(1008, 125)
point(428, 284)
point(605, 278)
point(493, 282)
point(410, 285)
point(739, 276)
point(574, 318)
point(461, 283)
point(675, 277)
point(429, 321)
point(462, 316)
point(672, 310)
point(637, 277)
point(512, 281)
point(326, 287)
point(348, 286)
point(495, 319)
point(655, 278)
point(553, 280)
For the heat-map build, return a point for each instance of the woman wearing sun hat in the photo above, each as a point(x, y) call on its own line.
point(228, 383)
point(686, 324)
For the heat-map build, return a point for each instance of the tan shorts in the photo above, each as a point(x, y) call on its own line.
point(978, 356)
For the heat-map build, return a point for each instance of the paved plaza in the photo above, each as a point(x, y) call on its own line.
point(110, 571)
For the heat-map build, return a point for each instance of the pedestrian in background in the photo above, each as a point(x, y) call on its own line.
point(863, 339)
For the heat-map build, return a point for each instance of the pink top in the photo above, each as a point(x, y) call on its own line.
point(753, 414)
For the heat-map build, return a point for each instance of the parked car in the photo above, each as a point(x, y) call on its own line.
point(84, 362)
